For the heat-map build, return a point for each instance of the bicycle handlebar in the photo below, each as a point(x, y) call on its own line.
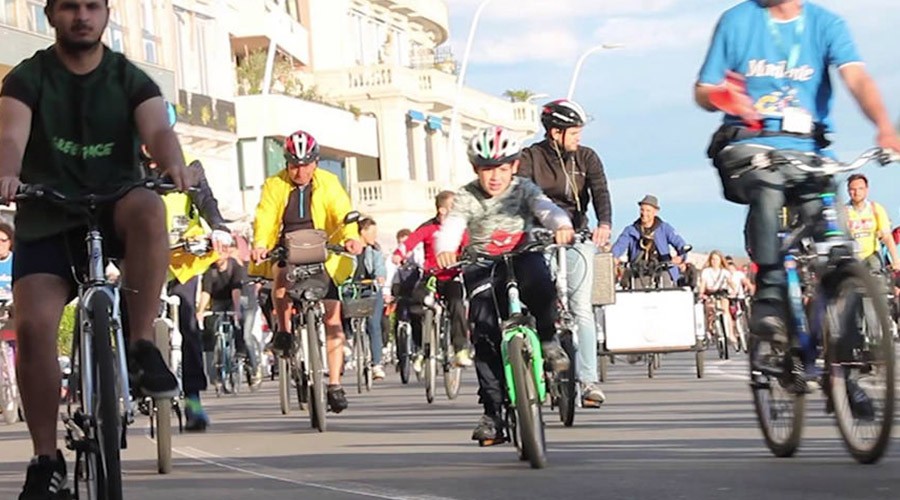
point(824, 166)
point(39, 191)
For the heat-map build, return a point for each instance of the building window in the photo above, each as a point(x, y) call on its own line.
point(115, 32)
point(191, 31)
point(150, 35)
point(37, 20)
point(8, 13)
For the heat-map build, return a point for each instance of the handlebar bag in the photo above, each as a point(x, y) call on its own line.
point(306, 246)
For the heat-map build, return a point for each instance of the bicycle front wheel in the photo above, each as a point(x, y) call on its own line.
point(163, 411)
point(860, 358)
point(429, 339)
point(529, 422)
point(109, 419)
point(566, 383)
point(404, 351)
point(779, 406)
point(284, 385)
point(9, 395)
point(317, 387)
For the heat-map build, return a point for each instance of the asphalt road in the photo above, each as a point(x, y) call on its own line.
point(671, 437)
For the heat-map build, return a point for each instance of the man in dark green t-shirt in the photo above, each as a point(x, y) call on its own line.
point(71, 118)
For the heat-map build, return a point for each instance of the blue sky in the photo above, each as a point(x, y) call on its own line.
point(646, 127)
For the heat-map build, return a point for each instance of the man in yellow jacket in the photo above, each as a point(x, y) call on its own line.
point(304, 197)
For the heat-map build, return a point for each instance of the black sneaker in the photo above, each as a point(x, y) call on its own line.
point(282, 342)
point(337, 400)
point(46, 479)
point(489, 431)
point(153, 376)
point(556, 356)
point(767, 321)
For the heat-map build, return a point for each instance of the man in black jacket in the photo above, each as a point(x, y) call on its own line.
point(572, 175)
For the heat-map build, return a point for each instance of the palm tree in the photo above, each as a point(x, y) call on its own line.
point(522, 95)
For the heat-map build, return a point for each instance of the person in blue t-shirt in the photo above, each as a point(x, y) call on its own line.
point(6, 257)
point(767, 68)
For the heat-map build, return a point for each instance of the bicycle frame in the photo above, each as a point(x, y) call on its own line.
point(515, 328)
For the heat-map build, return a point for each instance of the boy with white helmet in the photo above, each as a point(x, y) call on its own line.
point(497, 209)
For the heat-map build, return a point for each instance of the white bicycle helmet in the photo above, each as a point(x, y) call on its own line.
point(493, 146)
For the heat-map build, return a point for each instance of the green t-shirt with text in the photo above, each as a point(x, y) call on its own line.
point(83, 134)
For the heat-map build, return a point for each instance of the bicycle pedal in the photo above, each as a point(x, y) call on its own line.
point(492, 442)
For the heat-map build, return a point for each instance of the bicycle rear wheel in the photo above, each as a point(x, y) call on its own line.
point(317, 388)
point(566, 383)
point(780, 408)
point(367, 358)
point(429, 349)
point(452, 373)
point(109, 419)
point(529, 422)
point(860, 360)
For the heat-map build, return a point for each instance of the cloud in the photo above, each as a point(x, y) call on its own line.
point(545, 10)
point(644, 34)
point(676, 187)
point(528, 45)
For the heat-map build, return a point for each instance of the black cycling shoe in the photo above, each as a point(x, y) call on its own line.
point(46, 479)
point(282, 342)
point(337, 399)
point(153, 376)
point(767, 321)
point(489, 431)
point(860, 403)
point(555, 356)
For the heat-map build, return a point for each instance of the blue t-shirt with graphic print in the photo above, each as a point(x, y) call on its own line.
point(744, 42)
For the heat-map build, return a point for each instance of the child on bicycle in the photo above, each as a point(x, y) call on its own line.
point(497, 209)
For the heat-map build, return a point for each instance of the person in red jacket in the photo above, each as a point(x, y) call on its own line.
point(448, 286)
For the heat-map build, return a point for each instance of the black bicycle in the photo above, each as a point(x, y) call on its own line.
point(98, 403)
point(839, 334)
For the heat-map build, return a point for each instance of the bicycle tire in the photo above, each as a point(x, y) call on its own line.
point(367, 359)
point(528, 407)
point(358, 355)
point(568, 392)
point(781, 444)
point(317, 387)
point(284, 385)
point(109, 419)
point(219, 367)
point(723, 337)
point(604, 368)
point(163, 411)
point(866, 451)
point(651, 366)
point(404, 351)
point(699, 360)
point(9, 398)
point(429, 341)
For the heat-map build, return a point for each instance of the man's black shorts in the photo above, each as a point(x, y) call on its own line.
point(64, 255)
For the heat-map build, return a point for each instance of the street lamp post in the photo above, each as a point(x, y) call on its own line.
point(455, 129)
point(587, 53)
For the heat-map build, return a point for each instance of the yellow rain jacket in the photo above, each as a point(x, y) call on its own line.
point(330, 204)
point(183, 222)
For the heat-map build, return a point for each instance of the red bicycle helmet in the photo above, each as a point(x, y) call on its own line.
point(301, 148)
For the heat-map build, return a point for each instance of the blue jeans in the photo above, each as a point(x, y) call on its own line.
point(373, 327)
point(580, 280)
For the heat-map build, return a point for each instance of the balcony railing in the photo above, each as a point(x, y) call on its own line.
point(399, 195)
point(205, 111)
point(427, 86)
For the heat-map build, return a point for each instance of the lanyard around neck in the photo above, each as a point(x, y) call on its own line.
point(799, 27)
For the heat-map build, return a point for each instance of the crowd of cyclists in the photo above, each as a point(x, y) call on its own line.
point(182, 246)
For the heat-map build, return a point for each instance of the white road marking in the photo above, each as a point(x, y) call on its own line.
point(245, 467)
